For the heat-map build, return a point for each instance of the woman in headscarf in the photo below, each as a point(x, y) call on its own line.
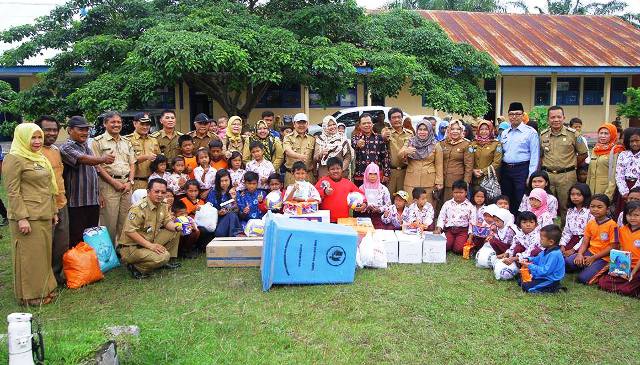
point(273, 151)
point(487, 152)
point(424, 161)
point(457, 158)
point(31, 188)
point(378, 197)
point(234, 140)
point(441, 130)
point(602, 167)
point(331, 143)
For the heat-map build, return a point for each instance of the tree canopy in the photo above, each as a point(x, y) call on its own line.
point(235, 51)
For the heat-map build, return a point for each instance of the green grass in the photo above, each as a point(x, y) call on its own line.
point(433, 314)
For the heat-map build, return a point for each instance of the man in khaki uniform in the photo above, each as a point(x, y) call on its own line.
point(116, 179)
point(201, 136)
point(150, 238)
point(298, 146)
point(145, 149)
point(398, 137)
point(168, 136)
point(561, 150)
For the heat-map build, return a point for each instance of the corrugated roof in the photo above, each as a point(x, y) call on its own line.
point(544, 40)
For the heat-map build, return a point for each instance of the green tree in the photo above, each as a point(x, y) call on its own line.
point(235, 51)
point(630, 109)
point(457, 5)
point(575, 7)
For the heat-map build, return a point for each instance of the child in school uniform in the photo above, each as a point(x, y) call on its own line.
point(634, 195)
point(505, 231)
point(628, 166)
point(259, 165)
point(236, 171)
point(204, 173)
point(503, 202)
point(392, 217)
point(526, 242)
point(455, 216)
point(479, 229)
point(540, 180)
point(222, 196)
point(538, 199)
point(578, 215)
point(547, 268)
point(419, 215)
point(192, 203)
point(275, 184)
point(159, 169)
point(301, 190)
point(178, 178)
point(629, 237)
point(593, 254)
point(216, 155)
point(185, 143)
point(377, 195)
point(250, 198)
point(334, 189)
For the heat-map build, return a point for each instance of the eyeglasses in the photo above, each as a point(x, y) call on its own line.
point(515, 114)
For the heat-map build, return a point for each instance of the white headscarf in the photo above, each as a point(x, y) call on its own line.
point(336, 143)
point(508, 220)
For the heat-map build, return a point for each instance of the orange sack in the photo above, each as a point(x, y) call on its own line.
point(81, 266)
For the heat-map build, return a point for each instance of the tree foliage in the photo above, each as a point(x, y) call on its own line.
point(486, 6)
point(235, 51)
point(630, 109)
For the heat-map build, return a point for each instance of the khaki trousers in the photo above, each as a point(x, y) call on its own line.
point(116, 208)
point(396, 180)
point(146, 260)
point(560, 185)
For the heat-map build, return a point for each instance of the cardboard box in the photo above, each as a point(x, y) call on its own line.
point(234, 252)
point(434, 249)
point(298, 208)
point(389, 241)
point(409, 248)
point(323, 216)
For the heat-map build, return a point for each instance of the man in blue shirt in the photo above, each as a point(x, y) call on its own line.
point(520, 156)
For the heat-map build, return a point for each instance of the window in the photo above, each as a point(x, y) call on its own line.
point(348, 100)
point(593, 93)
point(163, 99)
point(542, 95)
point(287, 96)
point(618, 87)
point(15, 85)
point(568, 91)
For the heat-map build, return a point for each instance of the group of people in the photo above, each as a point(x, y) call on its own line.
point(435, 175)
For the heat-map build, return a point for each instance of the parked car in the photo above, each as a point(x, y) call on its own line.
point(350, 116)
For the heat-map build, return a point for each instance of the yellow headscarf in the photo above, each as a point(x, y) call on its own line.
point(21, 146)
point(234, 138)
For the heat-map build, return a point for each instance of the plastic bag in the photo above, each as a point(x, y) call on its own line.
point(98, 238)
point(371, 253)
point(207, 217)
point(503, 271)
point(254, 228)
point(485, 257)
point(81, 266)
point(138, 195)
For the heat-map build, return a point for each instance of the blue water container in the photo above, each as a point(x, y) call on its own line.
point(302, 252)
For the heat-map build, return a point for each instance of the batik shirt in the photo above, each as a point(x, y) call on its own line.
point(455, 214)
point(627, 167)
point(530, 241)
point(394, 218)
point(576, 223)
point(263, 169)
point(375, 150)
point(237, 179)
point(423, 216)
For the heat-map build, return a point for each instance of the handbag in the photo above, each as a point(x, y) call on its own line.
point(490, 184)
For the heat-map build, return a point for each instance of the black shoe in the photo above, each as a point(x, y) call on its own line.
point(135, 273)
point(172, 264)
point(192, 255)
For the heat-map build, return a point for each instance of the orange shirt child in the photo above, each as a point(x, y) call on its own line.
point(600, 236)
point(191, 206)
point(630, 241)
point(190, 163)
point(218, 165)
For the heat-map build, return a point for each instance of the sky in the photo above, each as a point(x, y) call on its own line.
point(17, 12)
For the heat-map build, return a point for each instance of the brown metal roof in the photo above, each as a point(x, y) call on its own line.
point(544, 40)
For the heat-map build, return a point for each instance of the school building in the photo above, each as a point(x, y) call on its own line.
point(583, 63)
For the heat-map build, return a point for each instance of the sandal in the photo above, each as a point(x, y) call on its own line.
point(36, 302)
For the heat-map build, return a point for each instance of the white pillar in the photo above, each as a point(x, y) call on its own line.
point(607, 96)
point(498, 96)
point(554, 88)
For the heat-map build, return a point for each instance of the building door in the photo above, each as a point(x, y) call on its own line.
point(490, 88)
point(199, 103)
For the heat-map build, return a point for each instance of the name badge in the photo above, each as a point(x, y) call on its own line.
point(604, 236)
point(37, 167)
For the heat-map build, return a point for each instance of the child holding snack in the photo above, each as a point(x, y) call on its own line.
point(547, 268)
point(526, 242)
point(392, 217)
point(455, 216)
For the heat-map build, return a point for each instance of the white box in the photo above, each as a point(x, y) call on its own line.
point(434, 249)
point(409, 248)
point(322, 216)
point(390, 242)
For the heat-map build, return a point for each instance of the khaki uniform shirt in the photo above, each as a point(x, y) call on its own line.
point(202, 142)
point(145, 218)
point(559, 150)
point(143, 146)
point(105, 144)
point(302, 144)
point(52, 153)
point(397, 140)
point(168, 146)
point(488, 155)
point(28, 189)
point(457, 161)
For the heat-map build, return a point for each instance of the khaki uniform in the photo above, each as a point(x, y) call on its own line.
point(457, 161)
point(168, 146)
point(142, 145)
point(148, 220)
point(484, 156)
point(602, 174)
point(559, 161)
point(202, 142)
point(28, 189)
point(302, 144)
point(425, 174)
point(116, 203)
point(397, 140)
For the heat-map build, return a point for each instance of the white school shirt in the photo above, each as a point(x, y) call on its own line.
point(207, 181)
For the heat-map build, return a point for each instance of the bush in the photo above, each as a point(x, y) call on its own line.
point(7, 128)
point(539, 114)
point(630, 109)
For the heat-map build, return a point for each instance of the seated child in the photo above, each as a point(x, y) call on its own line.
point(392, 217)
point(259, 165)
point(185, 143)
point(578, 214)
point(236, 171)
point(419, 215)
point(222, 197)
point(204, 173)
point(178, 178)
point(158, 169)
point(634, 195)
point(629, 236)
point(526, 242)
point(216, 155)
point(479, 228)
point(547, 268)
point(249, 198)
point(275, 184)
point(538, 206)
point(540, 180)
point(503, 202)
point(301, 190)
point(333, 190)
point(593, 254)
point(192, 200)
point(186, 247)
point(455, 216)
point(505, 231)
point(378, 198)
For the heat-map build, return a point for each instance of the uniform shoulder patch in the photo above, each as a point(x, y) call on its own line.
point(545, 131)
point(132, 216)
point(471, 149)
point(129, 136)
point(571, 129)
point(179, 133)
point(155, 134)
point(98, 137)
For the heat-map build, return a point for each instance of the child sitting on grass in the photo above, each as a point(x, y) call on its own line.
point(250, 198)
point(578, 214)
point(392, 217)
point(538, 206)
point(505, 231)
point(455, 216)
point(479, 228)
point(301, 190)
point(419, 215)
point(186, 247)
point(539, 180)
point(526, 242)
point(547, 268)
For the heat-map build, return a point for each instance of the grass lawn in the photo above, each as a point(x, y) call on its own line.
point(428, 314)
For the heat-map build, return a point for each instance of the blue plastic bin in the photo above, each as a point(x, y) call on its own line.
point(302, 252)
